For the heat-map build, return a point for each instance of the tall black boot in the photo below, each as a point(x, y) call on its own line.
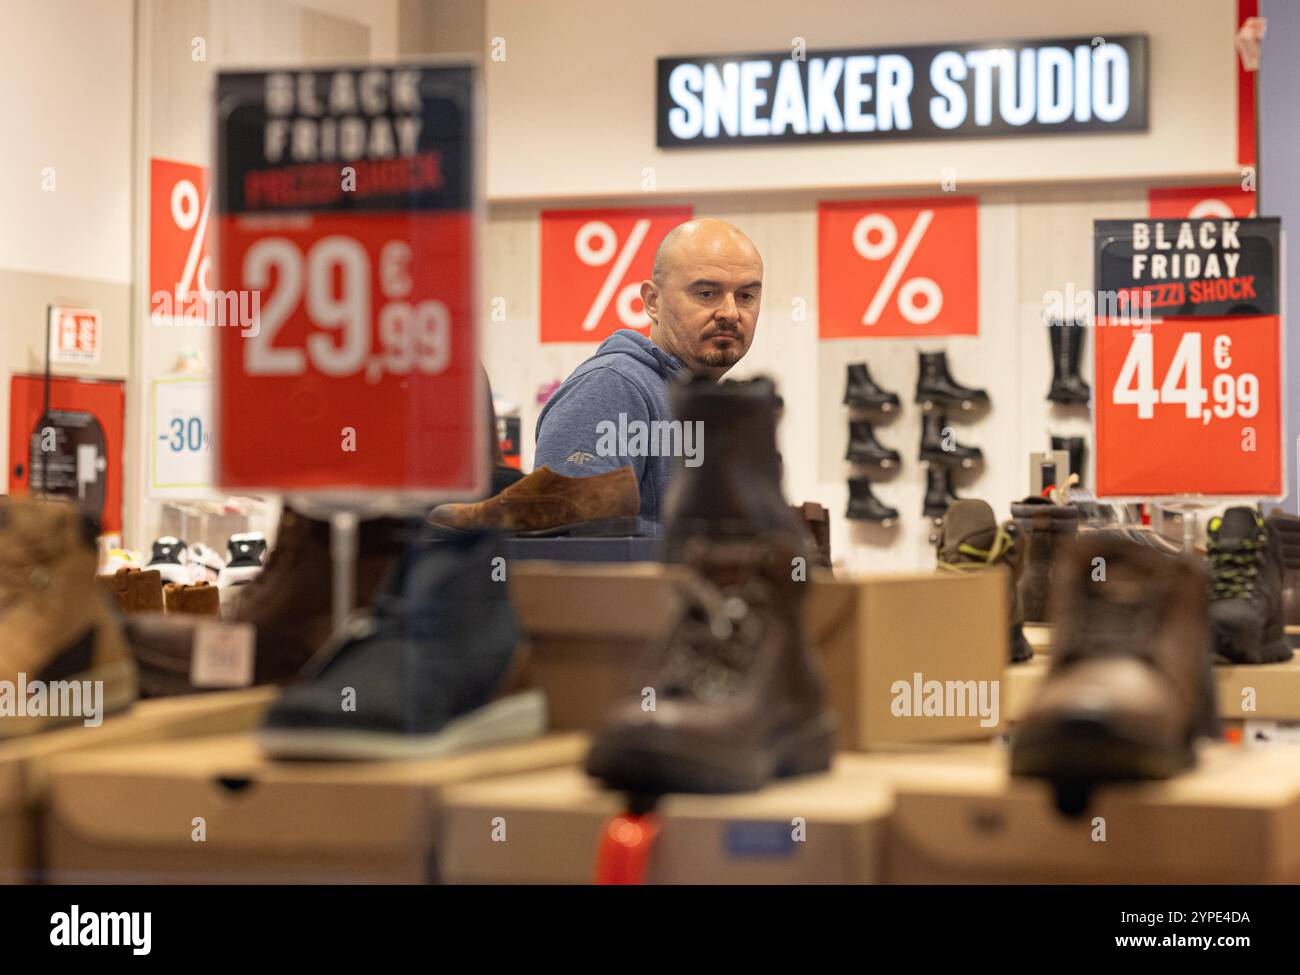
point(1078, 448)
point(1068, 388)
point(938, 491)
point(865, 506)
point(936, 387)
point(735, 490)
point(864, 448)
point(936, 449)
point(861, 390)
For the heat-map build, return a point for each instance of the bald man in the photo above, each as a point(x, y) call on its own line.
point(702, 300)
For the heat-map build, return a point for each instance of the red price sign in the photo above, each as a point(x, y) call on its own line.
point(1189, 406)
point(593, 263)
point(179, 266)
point(890, 268)
point(1198, 202)
point(359, 369)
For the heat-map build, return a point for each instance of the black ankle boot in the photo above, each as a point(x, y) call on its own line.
point(865, 506)
point(938, 492)
point(861, 390)
point(1246, 600)
point(937, 449)
point(864, 448)
point(1067, 346)
point(936, 387)
point(1078, 448)
point(735, 491)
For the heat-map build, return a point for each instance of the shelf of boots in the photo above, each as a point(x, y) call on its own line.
point(1234, 818)
point(25, 761)
point(129, 815)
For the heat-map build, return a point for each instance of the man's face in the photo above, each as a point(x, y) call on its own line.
point(705, 309)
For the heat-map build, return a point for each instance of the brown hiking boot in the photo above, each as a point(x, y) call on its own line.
point(56, 627)
point(1044, 527)
point(737, 696)
point(817, 520)
point(1130, 687)
point(545, 504)
point(970, 540)
point(288, 604)
point(134, 590)
point(199, 599)
point(1286, 528)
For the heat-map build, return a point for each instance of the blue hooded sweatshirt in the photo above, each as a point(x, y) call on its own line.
point(628, 375)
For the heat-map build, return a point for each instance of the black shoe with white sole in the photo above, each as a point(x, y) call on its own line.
point(424, 672)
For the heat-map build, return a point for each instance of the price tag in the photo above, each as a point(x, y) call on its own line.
point(180, 439)
point(223, 655)
point(346, 232)
point(1189, 406)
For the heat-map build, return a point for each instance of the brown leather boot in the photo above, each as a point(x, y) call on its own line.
point(1287, 530)
point(288, 605)
point(545, 504)
point(970, 540)
point(1130, 687)
point(737, 697)
point(1044, 527)
point(56, 626)
point(200, 599)
point(134, 590)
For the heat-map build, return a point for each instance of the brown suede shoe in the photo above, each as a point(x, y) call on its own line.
point(134, 590)
point(200, 599)
point(55, 624)
point(1130, 687)
point(544, 504)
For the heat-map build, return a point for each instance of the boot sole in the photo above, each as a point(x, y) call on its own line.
point(120, 692)
point(1271, 652)
point(662, 762)
point(596, 528)
point(511, 718)
point(1084, 750)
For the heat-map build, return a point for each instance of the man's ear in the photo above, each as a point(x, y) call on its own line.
point(650, 298)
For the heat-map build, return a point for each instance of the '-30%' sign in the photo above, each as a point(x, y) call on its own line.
point(345, 209)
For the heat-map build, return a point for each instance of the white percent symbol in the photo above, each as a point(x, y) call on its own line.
point(186, 214)
point(595, 244)
point(913, 287)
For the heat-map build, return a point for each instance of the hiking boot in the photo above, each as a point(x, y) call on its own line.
point(1129, 687)
point(545, 504)
point(1246, 588)
point(971, 540)
point(938, 445)
point(289, 604)
point(864, 448)
point(431, 669)
point(1078, 450)
point(134, 590)
point(865, 506)
point(736, 697)
point(735, 492)
point(1043, 528)
point(936, 387)
point(861, 390)
point(1286, 529)
point(938, 492)
point(55, 622)
point(1068, 388)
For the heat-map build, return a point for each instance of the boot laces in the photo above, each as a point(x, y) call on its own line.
point(999, 551)
point(1235, 567)
point(716, 640)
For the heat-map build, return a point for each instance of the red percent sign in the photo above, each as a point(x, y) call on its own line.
point(593, 263)
point(179, 266)
point(891, 268)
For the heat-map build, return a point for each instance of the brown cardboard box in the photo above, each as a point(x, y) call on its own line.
point(1235, 818)
point(24, 761)
point(133, 814)
point(1020, 684)
point(589, 627)
point(1273, 690)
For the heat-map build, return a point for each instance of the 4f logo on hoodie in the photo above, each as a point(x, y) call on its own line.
point(593, 263)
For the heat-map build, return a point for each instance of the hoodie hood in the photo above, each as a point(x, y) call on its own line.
point(627, 342)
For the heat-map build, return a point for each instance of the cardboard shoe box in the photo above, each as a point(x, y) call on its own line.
point(884, 642)
point(24, 761)
point(217, 811)
point(1235, 818)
